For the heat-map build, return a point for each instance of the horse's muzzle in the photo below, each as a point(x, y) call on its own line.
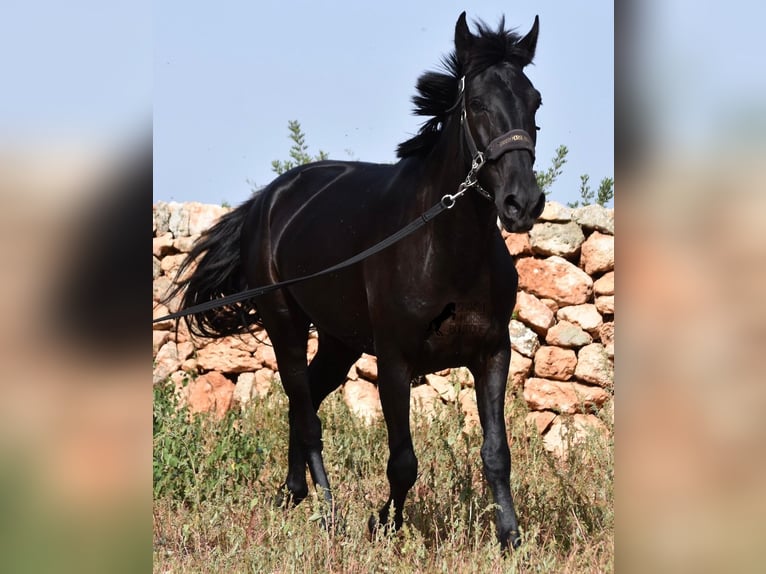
point(518, 216)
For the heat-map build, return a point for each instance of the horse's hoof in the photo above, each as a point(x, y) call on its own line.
point(376, 525)
point(334, 524)
point(372, 526)
point(513, 541)
point(284, 499)
point(327, 513)
point(279, 500)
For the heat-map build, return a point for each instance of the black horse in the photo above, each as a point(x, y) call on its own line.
point(455, 270)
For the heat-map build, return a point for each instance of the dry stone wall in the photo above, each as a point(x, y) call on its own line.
point(562, 331)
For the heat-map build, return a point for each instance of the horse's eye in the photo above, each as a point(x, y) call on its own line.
point(477, 106)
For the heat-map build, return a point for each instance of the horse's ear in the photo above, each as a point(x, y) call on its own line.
point(463, 38)
point(528, 43)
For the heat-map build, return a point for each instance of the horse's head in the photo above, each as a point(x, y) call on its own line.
point(499, 104)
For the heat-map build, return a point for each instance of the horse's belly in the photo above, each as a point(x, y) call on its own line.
point(337, 305)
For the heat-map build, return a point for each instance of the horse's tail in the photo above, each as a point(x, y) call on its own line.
point(218, 273)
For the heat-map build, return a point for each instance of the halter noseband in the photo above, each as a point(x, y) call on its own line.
point(511, 140)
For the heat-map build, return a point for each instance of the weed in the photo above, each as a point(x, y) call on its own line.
point(215, 483)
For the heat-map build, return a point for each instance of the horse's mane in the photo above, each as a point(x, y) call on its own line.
point(437, 92)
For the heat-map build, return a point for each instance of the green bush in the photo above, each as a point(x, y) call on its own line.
point(198, 458)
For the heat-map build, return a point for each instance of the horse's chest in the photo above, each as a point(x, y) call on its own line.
point(459, 332)
point(461, 319)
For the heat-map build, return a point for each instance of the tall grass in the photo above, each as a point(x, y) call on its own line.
point(215, 482)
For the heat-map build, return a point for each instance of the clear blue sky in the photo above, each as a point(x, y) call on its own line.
point(228, 76)
point(224, 80)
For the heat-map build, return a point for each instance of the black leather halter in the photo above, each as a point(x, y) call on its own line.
point(516, 139)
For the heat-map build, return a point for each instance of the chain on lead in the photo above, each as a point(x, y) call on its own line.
point(472, 178)
point(477, 163)
point(448, 201)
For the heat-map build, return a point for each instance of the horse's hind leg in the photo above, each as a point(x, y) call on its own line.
point(288, 329)
point(326, 372)
point(329, 367)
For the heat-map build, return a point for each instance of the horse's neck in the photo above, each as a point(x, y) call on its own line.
point(472, 221)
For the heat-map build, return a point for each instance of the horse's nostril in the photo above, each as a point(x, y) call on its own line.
point(511, 204)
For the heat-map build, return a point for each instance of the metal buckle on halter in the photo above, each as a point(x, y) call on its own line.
point(477, 162)
point(448, 201)
point(472, 180)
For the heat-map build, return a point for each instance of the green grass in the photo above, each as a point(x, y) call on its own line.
point(214, 483)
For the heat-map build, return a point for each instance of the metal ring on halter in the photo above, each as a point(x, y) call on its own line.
point(448, 201)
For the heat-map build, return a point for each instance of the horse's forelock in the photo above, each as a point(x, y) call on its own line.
point(436, 92)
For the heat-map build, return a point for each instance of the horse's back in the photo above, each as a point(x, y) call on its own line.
point(323, 212)
point(311, 218)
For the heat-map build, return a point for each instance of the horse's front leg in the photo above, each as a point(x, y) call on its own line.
point(402, 467)
point(491, 377)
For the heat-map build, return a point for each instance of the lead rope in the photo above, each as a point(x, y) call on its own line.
point(447, 202)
